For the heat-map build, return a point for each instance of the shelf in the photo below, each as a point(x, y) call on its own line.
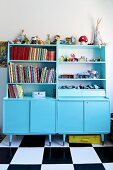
point(61, 79)
point(34, 45)
point(30, 98)
point(66, 62)
point(32, 61)
point(34, 83)
point(58, 45)
point(79, 46)
point(83, 89)
point(83, 98)
point(81, 92)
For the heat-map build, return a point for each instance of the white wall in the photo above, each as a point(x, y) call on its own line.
point(64, 17)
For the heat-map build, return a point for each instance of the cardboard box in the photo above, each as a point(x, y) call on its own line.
point(41, 94)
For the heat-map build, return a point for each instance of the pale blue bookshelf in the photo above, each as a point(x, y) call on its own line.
point(64, 110)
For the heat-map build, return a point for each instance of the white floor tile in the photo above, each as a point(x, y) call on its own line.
point(108, 166)
point(57, 141)
point(28, 156)
point(57, 167)
point(4, 166)
point(15, 141)
point(84, 155)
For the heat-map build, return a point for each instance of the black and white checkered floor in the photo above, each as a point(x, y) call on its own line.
point(33, 153)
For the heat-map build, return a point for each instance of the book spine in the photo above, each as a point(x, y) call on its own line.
point(30, 50)
point(31, 78)
point(15, 90)
point(52, 55)
point(18, 77)
point(9, 72)
point(15, 53)
point(23, 53)
point(27, 53)
point(23, 78)
point(9, 91)
point(12, 91)
point(12, 53)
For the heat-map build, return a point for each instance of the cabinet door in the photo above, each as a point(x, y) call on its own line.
point(70, 116)
point(16, 116)
point(96, 116)
point(42, 117)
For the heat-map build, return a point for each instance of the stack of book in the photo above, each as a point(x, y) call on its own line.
point(31, 53)
point(30, 74)
point(15, 91)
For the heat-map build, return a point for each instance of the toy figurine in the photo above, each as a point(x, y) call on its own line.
point(25, 40)
point(33, 40)
point(73, 58)
point(62, 42)
point(65, 58)
point(62, 58)
point(56, 39)
point(20, 38)
point(36, 40)
point(16, 41)
point(68, 40)
point(83, 40)
point(96, 86)
point(81, 86)
point(73, 42)
point(93, 74)
point(39, 41)
point(82, 59)
point(48, 41)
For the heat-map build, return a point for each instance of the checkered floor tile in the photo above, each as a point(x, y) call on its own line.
point(34, 153)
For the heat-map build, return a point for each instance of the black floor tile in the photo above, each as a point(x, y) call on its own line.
point(57, 156)
point(33, 141)
point(6, 155)
point(79, 145)
point(24, 167)
point(89, 167)
point(105, 154)
point(2, 137)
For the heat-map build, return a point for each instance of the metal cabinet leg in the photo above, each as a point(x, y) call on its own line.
point(49, 140)
point(10, 139)
point(102, 138)
point(64, 138)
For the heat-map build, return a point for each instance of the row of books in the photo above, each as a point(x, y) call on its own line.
point(30, 74)
point(15, 91)
point(31, 53)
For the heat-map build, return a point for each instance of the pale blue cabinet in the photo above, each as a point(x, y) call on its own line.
point(70, 117)
point(96, 117)
point(66, 109)
point(42, 116)
point(16, 117)
point(83, 117)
